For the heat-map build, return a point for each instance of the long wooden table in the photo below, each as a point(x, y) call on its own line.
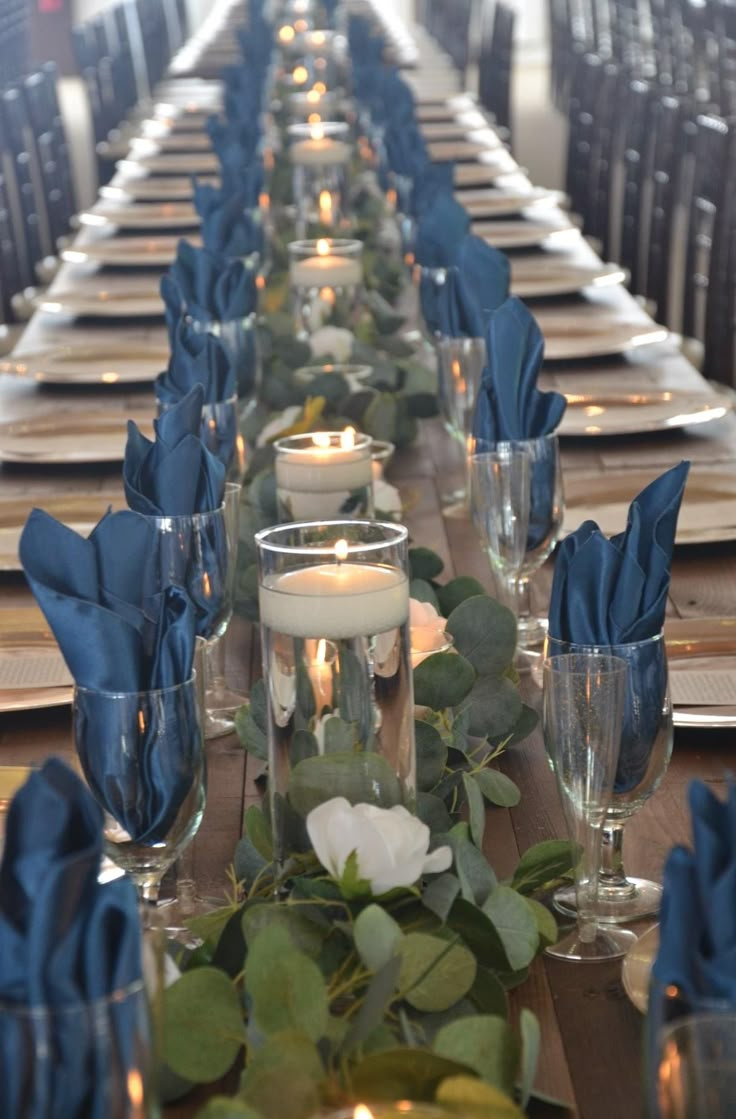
point(591, 1033)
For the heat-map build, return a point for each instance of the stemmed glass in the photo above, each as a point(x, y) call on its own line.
point(545, 499)
point(696, 1073)
point(583, 700)
point(142, 755)
point(646, 746)
point(460, 366)
point(500, 501)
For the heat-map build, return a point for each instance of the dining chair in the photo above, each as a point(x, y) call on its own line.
point(52, 150)
point(17, 144)
point(579, 172)
point(632, 139)
point(14, 274)
point(495, 61)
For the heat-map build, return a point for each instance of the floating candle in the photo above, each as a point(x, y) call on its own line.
point(326, 268)
point(319, 151)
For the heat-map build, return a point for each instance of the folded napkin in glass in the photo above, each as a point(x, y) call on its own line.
point(510, 407)
point(120, 630)
point(235, 143)
point(199, 358)
point(440, 230)
point(476, 284)
point(231, 222)
point(68, 942)
point(614, 593)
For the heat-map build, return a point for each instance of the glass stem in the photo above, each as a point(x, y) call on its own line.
point(148, 889)
point(215, 665)
point(586, 881)
point(186, 887)
point(612, 873)
point(517, 596)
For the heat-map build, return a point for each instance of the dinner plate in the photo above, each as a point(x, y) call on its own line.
point(637, 967)
point(627, 413)
point(89, 365)
point(154, 188)
point(177, 119)
point(524, 232)
point(171, 142)
point(105, 304)
point(569, 340)
point(80, 511)
point(500, 203)
point(68, 437)
point(171, 163)
point(123, 252)
point(143, 215)
point(467, 151)
point(707, 514)
point(481, 174)
point(706, 647)
point(24, 633)
point(537, 278)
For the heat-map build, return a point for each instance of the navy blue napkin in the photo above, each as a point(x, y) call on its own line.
point(236, 145)
point(474, 286)
point(510, 406)
point(243, 92)
point(121, 629)
point(440, 232)
point(65, 938)
point(435, 179)
point(231, 223)
point(207, 287)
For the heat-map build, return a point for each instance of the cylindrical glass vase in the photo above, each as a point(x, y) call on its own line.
point(326, 280)
point(339, 589)
point(320, 154)
point(323, 475)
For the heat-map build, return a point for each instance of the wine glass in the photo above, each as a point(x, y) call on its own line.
point(696, 1073)
point(142, 755)
point(461, 362)
point(546, 510)
point(582, 713)
point(646, 746)
point(500, 500)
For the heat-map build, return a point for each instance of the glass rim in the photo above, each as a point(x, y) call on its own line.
point(394, 534)
point(362, 442)
point(558, 663)
point(604, 649)
point(330, 129)
point(352, 368)
point(38, 1010)
point(190, 683)
point(341, 244)
point(448, 341)
point(503, 446)
point(699, 1017)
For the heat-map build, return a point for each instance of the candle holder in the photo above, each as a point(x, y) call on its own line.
point(313, 105)
point(316, 378)
point(326, 281)
point(344, 583)
point(324, 474)
point(320, 154)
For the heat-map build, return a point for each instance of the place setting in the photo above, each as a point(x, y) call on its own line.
point(141, 215)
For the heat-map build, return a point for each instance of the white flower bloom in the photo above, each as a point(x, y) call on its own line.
point(278, 423)
point(386, 497)
point(424, 614)
point(390, 844)
point(427, 631)
point(334, 340)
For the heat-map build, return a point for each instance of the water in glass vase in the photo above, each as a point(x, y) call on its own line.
point(336, 657)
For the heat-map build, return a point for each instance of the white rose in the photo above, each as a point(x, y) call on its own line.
point(278, 424)
point(386, 498)
point(391, 845)
point(427, 631)
point(334, 340)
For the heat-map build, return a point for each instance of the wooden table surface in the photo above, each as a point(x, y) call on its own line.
point(591, 1034)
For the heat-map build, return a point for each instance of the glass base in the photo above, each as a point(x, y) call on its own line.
point(617, 905)
point(173, 914)
point(455, 504)
point(607, 944)
point(221, 703)
point(531, 632)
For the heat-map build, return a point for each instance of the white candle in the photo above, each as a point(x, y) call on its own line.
point(319, 151)
point(326, 270)
point(335, 600)
point(325, 466)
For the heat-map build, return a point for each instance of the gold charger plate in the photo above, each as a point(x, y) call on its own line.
point(172, 142)
point(571, 340)
point(105, 304)
point(173, 188)
point(88, 365)
point(68, 437)
point(124, 252)
point(25, 632)
point(502, 203)
point(143, 215)
point(80, 511)
point(627, 413)
point(468, 151)
point(708, 512)
point(481, 174)
point(537, 277)
point(171, 163)
point(701, 644)
point(637, 967)
point(524, 233)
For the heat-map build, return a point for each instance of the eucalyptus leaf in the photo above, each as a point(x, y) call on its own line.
point(283, 1077)
point(409, 1074)
point(431, 753)
point(456, 591)
point(303, 745)
point(488, 994)
point(527, 723)
point(306, 935)
point(425, 564)
point(497, 788)
point(379, 418)
point(227, 1107)
point(435, 973)
point(248, 862)
point(378, 996)
point(515, 924)
point(356, 702)
point(249, 733)
point(258, 831)
point(339, 735)
point(479, 934)
point(285, 985)
point(473, 869)
point(476, 809)
point(440, 895)
point(431, 811)
point(475, 1099)
point(202, 1025)
point(530, 1046)
point(443, 680)
point(495, 707)
point(359, 777)
point(423, 591)
point(546, 924)
point(209, 927)
point(486, 1043)
point(543, 863)
point(229, 955)
point(304, 692)
point(485, 633)
point(377, 937)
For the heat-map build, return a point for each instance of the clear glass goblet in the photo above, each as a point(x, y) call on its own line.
point(500, 505)
point(583, 702)
point(646, 747)
point(546, 511)
point(696, 1073)
point(142, 755)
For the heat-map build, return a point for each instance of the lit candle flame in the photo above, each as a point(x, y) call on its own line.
point(300, 25)
point(135, 1092)
point(264, 200)
point(319, 87)
point(206, 587)
point(323, 246)
point(260, 282)
point(314, 96)
point(300, 75)
point(341, 553)
point(325, 207)
point(141, 721)
point(286, 34)
point(321, 655)
point(318, 38)
point(317, 132)
point(328, 296)
point(314, 118)
point(347, 439)
point(321, 439)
